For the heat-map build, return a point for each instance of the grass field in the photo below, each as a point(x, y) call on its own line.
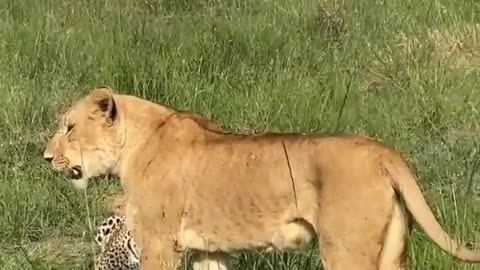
point(405, 72)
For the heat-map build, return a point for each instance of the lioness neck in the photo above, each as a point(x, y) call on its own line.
point(137, 121)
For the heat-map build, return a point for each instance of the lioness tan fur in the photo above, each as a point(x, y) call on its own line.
point(190, 185)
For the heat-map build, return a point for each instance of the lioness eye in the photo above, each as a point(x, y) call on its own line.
point(69, 128)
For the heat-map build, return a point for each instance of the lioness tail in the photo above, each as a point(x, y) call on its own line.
point(406, 185)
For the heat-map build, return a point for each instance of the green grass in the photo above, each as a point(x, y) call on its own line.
point(405, 72)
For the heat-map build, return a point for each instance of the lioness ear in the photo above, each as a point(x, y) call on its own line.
point(103, 99)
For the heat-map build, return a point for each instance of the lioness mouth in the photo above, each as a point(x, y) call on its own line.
point(76, 172)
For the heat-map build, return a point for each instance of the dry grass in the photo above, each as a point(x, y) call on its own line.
point(457, 47)
point(59, 249)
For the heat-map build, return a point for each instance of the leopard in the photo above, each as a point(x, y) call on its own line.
point(118, 250)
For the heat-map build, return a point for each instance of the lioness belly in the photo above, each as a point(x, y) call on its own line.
point(288, 236)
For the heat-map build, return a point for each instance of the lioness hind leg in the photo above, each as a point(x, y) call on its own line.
point(351, 236)
point(344, 253)
point(393, 255)
point(337, 258)
point(210, 261)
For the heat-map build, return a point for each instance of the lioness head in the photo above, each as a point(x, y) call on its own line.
point(88, 140)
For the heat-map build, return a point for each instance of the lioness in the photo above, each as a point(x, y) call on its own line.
point(192, 186)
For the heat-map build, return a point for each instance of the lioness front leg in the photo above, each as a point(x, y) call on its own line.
point(159, 254)
point(210, 261)
point(156, 221)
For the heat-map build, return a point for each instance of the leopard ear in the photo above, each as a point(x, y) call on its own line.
point(102, 98)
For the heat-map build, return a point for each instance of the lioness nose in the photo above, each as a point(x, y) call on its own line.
point(47, 156)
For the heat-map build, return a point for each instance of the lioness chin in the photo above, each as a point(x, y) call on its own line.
point(190, 185)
